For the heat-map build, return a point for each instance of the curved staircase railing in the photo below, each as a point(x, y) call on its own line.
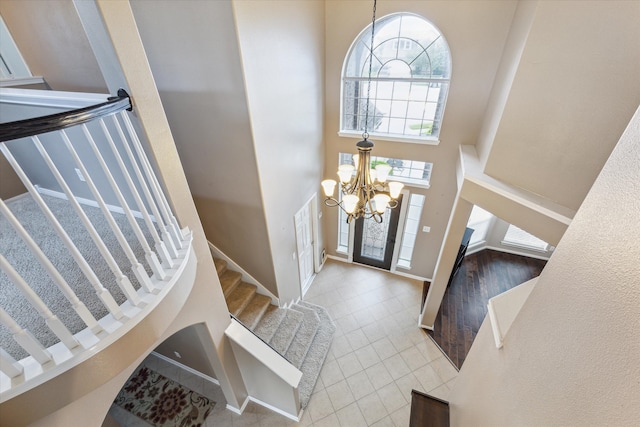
point(90, 183)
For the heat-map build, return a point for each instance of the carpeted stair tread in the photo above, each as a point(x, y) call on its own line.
point(304, 337)
point(240, 297)
point(221, 265)
point(302, 333)
point(312, 364)
point(253, 312)
point(286, 331)
point(270, 322)
point(229, 280)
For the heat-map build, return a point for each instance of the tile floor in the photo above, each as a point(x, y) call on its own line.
point(377, 357)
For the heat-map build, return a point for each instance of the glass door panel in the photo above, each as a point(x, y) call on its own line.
point(374, 242)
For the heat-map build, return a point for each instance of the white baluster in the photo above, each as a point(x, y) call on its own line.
point(166, 238)
point(136, 267)
point(122, 280)
point(57, 278)
point(9, 366)
point(25, 339)
point(174, 228)
point(150, 256)
point(50, 319)
point(102, 293)
point(162, 250)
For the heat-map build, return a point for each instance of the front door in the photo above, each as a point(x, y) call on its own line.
point(374, 242)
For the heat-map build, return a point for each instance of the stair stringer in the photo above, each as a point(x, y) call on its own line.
point(246, 277)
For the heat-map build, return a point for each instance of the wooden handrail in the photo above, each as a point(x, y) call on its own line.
point(53, 122)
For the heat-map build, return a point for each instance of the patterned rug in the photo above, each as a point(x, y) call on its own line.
point(163, 402)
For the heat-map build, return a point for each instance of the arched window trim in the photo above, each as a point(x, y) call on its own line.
point(429, 140)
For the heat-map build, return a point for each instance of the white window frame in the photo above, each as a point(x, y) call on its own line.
point(532, 243)
point(405, 263)
point(413, 182)
point(443, 82)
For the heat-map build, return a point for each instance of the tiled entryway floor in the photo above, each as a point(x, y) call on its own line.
point(379, 353)
point(377, 357)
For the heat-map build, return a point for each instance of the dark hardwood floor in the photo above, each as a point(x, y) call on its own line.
point(482, 275)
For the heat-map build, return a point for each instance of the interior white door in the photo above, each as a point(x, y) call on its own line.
point(304, 243)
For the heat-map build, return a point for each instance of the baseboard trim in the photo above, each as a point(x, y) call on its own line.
point(411, 276)
point(396, 272)
point(245, 276)
point(18, 197)
point(241, 409)
point(274, 409)
point(428, 328)
point(517, 252)
point(185, 367)
point(444, 354)
point(89, 202)
point(507, 251)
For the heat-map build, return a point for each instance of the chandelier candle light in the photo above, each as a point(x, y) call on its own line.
point(365, 194)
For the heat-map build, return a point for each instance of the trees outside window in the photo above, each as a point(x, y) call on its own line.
point(410, 74)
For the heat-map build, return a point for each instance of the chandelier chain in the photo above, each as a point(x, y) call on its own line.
point(366, 115)
point(365, 193)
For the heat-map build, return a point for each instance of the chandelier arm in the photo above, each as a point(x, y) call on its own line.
point(332, 202)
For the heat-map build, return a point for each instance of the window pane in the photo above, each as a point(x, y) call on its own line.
point(406, 171)
point(343, 231)
point(519, 237)
point(414, 212)
point(440, 62)
point(406, 48)
point(416, 201)
point(405, 252)
point(412, 226)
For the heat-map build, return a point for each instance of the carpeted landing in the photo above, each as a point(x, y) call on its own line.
point(301, 333)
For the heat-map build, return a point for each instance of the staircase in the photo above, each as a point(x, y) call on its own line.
point(302, 334)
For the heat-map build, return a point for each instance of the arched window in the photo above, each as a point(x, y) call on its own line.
point(410, 76)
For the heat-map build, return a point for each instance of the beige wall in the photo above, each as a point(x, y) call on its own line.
point(571, 356)
point(39, 30)
point(10, 184)
point(516, 41)
point(194, 55)
point(476, 33)
point(52, 42)
point(282, 48)
point(575, 90)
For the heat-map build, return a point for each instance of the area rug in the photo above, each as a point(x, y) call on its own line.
point(163, 402)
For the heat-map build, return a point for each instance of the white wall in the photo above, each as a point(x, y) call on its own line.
point(571, 356)
point(282, 46)
point(517, 39)
point(575, 90)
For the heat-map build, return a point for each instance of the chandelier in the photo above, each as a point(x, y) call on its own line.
point(365, 191)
